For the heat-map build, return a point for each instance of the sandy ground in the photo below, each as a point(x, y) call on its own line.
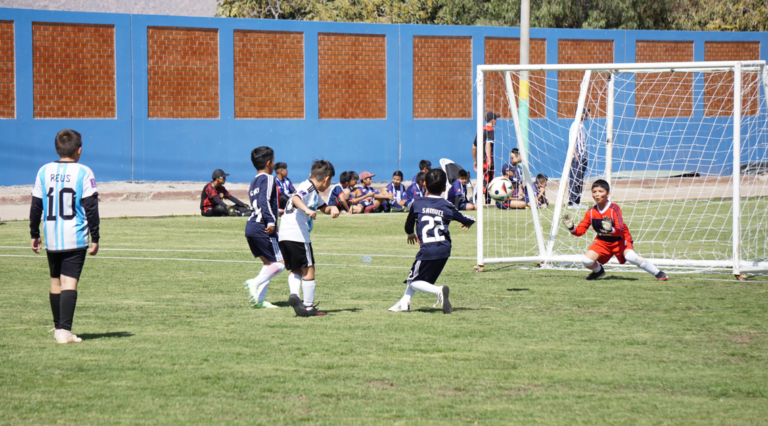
point(119, 199)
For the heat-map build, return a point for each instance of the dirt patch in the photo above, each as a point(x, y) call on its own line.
point(381, 384)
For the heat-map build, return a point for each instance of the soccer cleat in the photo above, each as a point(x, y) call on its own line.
point(261, 305)
point(312, 311)
point(247, 285)
point(66, 336)
point(400, 307)
point(596, 275)
point(298, 306)
point(661, 276)
point(442, 300)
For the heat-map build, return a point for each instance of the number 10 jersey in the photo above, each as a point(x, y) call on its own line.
point(430, 216)
point(62, 186)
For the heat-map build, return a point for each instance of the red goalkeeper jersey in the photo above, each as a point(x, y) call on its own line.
point(594, 218)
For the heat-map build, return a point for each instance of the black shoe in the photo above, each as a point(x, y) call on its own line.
point(596, 275)
point(661, 276)
point(298, 306)
point(312, 311)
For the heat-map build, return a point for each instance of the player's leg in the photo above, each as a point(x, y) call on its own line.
point(54, 264)
point(71, 265)
point(469, 206)
point(424, 274)
point(591, 261)
point(218, 210)
point(573, 180)
point(268, 250)
point(644, 264)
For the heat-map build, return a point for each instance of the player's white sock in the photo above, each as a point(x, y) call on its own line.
point(294, 283)
point(309, 292)
point(261, 282)
point(590, 264)
point(426, 287)
point(408, 293)
point(640, 262)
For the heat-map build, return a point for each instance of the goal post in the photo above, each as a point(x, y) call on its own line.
point(684, 147)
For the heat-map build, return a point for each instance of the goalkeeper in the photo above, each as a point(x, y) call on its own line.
point(613, 237)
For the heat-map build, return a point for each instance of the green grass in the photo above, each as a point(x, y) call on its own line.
point(174, 342)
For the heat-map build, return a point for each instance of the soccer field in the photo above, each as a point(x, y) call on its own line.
point(169, 337)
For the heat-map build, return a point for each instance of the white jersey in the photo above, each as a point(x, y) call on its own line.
point(296, 225)
point(62, 186)
point(579, 132)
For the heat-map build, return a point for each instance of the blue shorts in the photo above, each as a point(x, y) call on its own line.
point(266, 246)
point(426, 270)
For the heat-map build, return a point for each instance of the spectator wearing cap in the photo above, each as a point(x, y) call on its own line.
point(579, 163)
point(213, 196)
point(372, 200)
point(488, 139)
point(284, 185)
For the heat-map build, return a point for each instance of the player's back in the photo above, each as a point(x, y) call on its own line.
point(431, 216)
point(62, 186)
point(263, 195)
point(335, 193)
point(457, 188)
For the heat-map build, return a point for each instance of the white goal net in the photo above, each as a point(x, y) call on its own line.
point(684, 147)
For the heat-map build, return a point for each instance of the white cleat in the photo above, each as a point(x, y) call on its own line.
point(400, 307)
point(66, 336)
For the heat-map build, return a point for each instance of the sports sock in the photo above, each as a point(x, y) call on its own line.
point(309, 292)
point(640, 262)
point(55, 308)
point(67, 303)
point(590, 264)
point(261, 282)
point(408, 294)
point(294, 283)
point(425, 287)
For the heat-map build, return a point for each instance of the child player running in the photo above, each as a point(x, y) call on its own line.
point(613, 237)
point(261, 228)
point(295, 243)
point(431, 216)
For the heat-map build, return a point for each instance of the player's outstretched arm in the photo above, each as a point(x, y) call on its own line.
point(567, 220)
point(296, 200)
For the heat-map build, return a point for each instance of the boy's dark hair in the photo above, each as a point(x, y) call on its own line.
point(463, 174)
point(515, 151)
point(68, 142)
point(601, 184)
point(421, 176)
point(261, 156)
point(541, 177)
point(352, 176)
point(321, 169)
point(398, 173)
point(425, 164)
point(436, 181)
point(344, 177)
point(280, 166)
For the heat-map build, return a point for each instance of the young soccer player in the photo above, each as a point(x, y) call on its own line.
point(613, 237)
point(416, 190)
point(516, 200)
point(372, 203)
point(211, 199)
point(539, 191)
point(294, 236)
point(355, 195)
point(430, 216)
point(284, 184)
point(261, 228)
point(424, 166)
point(458, 192)
point(65, 195)
point(340, 193)
point(397, 189)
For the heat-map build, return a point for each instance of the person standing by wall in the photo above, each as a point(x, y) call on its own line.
point(579, 162)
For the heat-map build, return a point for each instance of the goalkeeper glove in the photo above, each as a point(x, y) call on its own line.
point(567, 220)
point(607, 225)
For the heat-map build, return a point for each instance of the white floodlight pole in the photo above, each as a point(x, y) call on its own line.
point(480, 197)
point(527, 177)
point(737, 170)
point(567, 167)
point(609, 130)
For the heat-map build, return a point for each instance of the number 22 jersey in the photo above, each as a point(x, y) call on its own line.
point(62, 186)
point(430, 216)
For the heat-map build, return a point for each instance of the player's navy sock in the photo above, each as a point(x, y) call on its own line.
point(294, 283)
point(55, 300)
point(309, 292)
point(425, 287)
point(67, 305)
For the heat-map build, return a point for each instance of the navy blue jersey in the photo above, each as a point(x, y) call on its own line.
point(263, 195)
point(430, 216)
point(397, 191)
point(458, 193)
point(334, 199)
point(414, 192)
point(286, 186)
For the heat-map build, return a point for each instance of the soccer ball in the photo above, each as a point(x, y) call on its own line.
point(500, 189)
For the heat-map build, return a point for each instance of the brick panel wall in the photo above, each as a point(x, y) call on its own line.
point(664, 95)
point(718, 87)
point(352, 76)
point(569, 82)
point(442, 77)
point(7, 68)
point(73, 70)
point(269, 74)
point(183, 72)
point(500, 50)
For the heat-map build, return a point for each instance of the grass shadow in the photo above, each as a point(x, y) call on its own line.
point(282, 304)
point(328, 311)
point(117, 334)
point(619, 278)
point(518, 289)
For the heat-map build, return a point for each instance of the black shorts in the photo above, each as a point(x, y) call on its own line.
point(426, 270)
point(265, 246)
point(297, 255)
point(68, 263)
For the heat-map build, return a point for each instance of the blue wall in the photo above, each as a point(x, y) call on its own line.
point(133, 147)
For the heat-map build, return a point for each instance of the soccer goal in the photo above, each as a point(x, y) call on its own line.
point(684, 147)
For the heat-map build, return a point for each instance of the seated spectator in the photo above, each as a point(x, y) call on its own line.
point(340, 194)
point(458, 192)
point(397, 189)
point(373, 200)
point(355, 196)
point(211, 199)
point(513, 172)
point(424, 166)
point(417, 189)
point(284, 185)
point(539, 191)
